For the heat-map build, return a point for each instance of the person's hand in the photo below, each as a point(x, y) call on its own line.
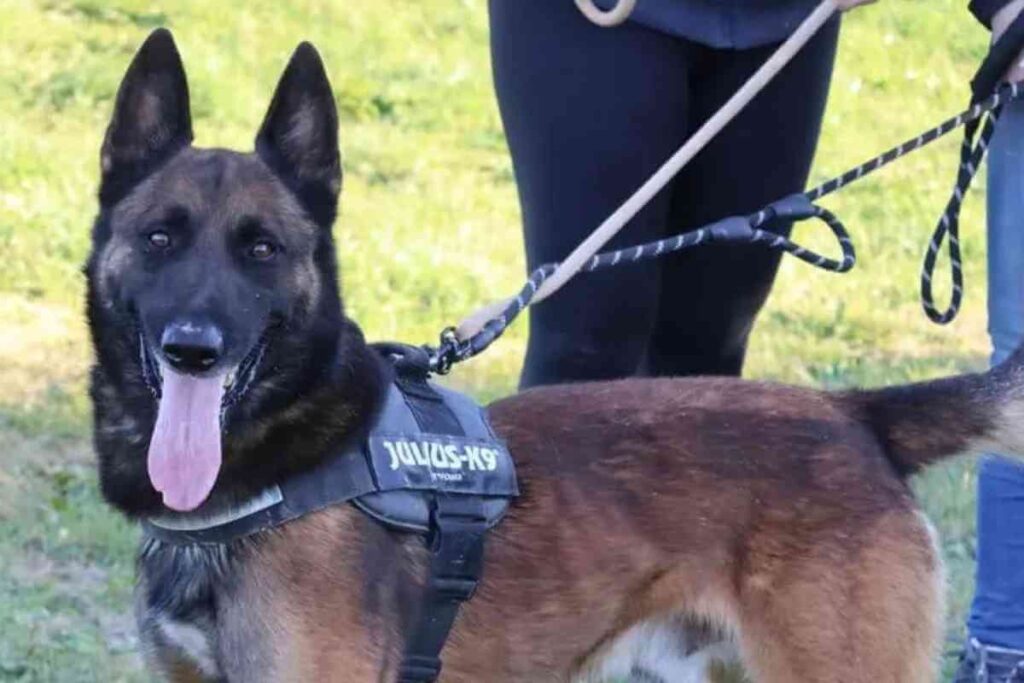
point(1000, 22)
point(850, 4)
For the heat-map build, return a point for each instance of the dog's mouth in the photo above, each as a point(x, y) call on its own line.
point(185, 450)
point(236, 381)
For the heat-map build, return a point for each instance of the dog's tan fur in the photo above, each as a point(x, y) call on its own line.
point(774, 514)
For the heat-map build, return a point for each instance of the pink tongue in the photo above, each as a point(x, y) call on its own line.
point(185, 452)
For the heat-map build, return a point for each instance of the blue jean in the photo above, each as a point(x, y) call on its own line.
point(997, 613)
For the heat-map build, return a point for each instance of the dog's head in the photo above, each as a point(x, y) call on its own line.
point(212, 279)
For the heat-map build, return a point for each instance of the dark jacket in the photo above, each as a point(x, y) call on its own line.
point(739, 24)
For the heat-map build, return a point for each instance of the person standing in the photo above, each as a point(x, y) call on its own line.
point(995, 649)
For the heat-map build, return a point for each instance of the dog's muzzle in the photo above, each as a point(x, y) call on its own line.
point(237, 381)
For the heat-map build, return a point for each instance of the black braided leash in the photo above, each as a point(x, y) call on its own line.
point(972, 152)
point(753, 229)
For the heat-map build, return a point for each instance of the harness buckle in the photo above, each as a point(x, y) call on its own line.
point(456, 543)
point(455, 589)
point(416, 669)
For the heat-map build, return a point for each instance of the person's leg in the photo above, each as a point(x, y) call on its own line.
point(997, 612)
point(589, 113)
point(710, 296)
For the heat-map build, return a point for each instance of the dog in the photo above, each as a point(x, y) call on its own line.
point(663, 524)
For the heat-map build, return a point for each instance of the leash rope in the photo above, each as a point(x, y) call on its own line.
point(733, 230)
point(482, 328)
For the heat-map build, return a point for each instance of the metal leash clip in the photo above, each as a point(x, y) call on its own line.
point(446, 354)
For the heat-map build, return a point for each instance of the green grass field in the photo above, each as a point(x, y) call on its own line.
point(429, 228)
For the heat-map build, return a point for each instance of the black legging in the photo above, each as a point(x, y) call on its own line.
point(589, 114)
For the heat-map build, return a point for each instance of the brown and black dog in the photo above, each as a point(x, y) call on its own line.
point(663, 524)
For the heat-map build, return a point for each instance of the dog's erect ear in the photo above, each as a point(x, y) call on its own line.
point(299, 135)
point(151, 117)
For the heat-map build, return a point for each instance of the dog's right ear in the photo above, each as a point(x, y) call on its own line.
point(151, 118)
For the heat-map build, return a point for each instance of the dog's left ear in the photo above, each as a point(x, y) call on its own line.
point(299, 135)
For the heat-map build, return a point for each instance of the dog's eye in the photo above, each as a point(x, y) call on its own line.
point(262, 250)
point(158, 239)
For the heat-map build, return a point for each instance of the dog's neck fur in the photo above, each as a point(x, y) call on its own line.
point(335, 408)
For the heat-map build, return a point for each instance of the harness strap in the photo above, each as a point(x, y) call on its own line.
point(456, 540)
point(428, 407)
point(456, 565)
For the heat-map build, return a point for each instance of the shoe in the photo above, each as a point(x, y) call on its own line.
point(980, 663)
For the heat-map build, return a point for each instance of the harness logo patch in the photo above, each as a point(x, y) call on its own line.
point(440, 456)
point(444, 463)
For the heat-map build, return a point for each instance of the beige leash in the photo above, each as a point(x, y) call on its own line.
point(632, 206)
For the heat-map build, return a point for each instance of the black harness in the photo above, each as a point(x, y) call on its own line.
point(430, 465)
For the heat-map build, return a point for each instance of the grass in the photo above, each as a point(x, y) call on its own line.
point(428, 230)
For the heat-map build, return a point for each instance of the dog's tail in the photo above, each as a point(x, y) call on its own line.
point(920, 424)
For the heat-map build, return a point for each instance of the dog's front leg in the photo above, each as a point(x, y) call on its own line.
point(179, 651)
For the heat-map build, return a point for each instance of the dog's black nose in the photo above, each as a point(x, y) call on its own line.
point(192, 347)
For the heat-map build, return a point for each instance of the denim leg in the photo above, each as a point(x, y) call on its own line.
point(997, 613)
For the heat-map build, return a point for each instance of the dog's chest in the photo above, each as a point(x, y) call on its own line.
point(186, 609)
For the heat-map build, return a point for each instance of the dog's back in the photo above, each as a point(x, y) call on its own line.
point(772, 511)
point(781, 513)
point(661, 516)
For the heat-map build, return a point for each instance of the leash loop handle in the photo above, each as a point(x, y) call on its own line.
point(798, 207)
point(972, 153)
